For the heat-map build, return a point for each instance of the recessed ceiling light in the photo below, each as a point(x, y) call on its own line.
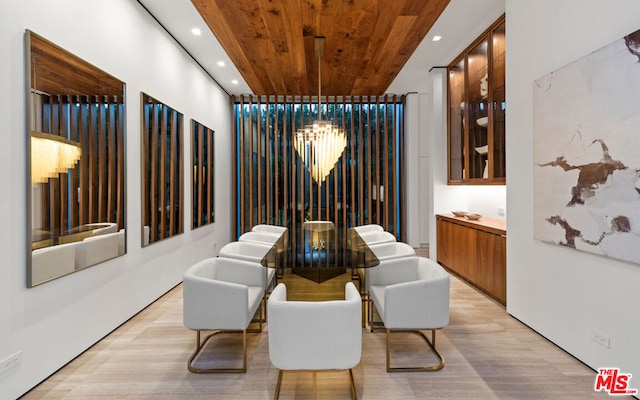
point(235, 81)
point(436, 38)
point(220, 63)
point(196, 31)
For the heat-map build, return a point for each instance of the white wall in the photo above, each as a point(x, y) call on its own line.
point(562, 293)
point(54, 322)
point(418, 189)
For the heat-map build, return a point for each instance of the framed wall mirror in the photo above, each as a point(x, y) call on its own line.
point(76, 162)
point(202, 159)
point(162, 171)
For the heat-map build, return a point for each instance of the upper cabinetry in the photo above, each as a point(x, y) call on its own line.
point(476, 110)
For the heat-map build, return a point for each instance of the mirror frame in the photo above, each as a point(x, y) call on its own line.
point(75, 235)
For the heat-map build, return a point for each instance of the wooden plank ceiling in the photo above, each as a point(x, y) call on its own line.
point(271, 42)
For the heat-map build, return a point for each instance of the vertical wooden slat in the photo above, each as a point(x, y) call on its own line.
point(100, 155)
point(336, 174)
point(379, 162)
point(259, 182)
point(235, 149)
point(292, 181)
point(403, 233)
point(360, 166)
point(112, 185)
point(200, 185)
point(345, 167)
point(242, 171)
point(162, 162)
point(91, 205)
point(276, 164)
point(84, 161)
point(73, 193)
point(311, 181)
point(267, 156)
point(251, 188)
point(173, 162)
point(300, 176)
point(369, 159)
point(386, 170)
point(352, 166)
point(394, 204)
point(62, 194)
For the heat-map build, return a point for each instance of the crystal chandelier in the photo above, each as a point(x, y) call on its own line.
point(320, 144)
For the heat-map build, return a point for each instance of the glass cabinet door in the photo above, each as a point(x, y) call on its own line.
point(478, 112)
point(456, 121)
point(476, 120)
point(498, 100)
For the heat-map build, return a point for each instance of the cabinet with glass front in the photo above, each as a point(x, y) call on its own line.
point(476, 110)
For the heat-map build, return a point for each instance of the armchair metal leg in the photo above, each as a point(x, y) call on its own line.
point(281, 372)
point(432, 345)
point(353, 385)
point(277, 393)
point(262, 317)
point(200, 346)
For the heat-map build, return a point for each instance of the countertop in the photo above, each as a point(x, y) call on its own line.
point(492, 225)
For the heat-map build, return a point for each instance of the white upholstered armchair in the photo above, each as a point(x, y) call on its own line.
point(411, 294)
point(368, 228)
point(324, 335)
point(249, 251)
point(222, 295)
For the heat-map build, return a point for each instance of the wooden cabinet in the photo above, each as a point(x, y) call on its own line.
point(476, 251)
point(476, 109)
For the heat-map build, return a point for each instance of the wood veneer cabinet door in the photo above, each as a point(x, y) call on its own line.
point(476, 255)
point(491, 264)
point(457, 245)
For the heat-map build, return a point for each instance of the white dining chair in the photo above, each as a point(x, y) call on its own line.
point(314, 335)
point(222, 295)
point(411, 294)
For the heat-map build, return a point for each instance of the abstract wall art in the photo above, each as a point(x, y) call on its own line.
point(586, 125)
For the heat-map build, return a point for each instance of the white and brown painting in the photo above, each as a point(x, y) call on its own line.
point(586, 124)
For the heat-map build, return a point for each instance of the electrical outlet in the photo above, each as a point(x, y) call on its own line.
point(601, 339)
point(10, 362)
point(500, 211)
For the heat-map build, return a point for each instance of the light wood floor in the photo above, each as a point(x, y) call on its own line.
point(489, 355)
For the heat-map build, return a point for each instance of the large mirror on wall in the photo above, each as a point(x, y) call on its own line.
point(76, 162)
point(202, 190)
point(162, 173)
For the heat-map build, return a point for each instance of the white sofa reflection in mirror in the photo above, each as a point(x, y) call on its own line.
point(51, 262)
point(96, 249)
point(85, 246)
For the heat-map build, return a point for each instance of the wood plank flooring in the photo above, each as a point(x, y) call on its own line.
point(488, 353)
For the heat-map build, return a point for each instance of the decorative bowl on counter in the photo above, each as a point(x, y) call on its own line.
point(473, 216)
point(459, 213)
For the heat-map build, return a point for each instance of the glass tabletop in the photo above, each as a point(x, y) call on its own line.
point(319, 252)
